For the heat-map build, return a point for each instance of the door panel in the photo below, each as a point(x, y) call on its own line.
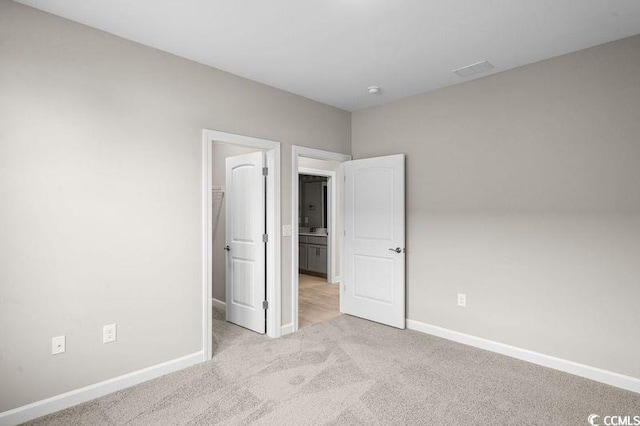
point(322, 260)
point(373, 204)
point(313, 258)
point(302, 256)
point(374, 209)
point(371, 275)
point(245, 226)
point(242, 272)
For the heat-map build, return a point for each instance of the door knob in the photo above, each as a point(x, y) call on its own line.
point(227, 248)
point(397, 249)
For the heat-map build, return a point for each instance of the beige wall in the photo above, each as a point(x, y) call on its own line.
point(523, 191)
point(100, 189)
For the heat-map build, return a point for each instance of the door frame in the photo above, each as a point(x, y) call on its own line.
point(296, 153)
point(273, 264)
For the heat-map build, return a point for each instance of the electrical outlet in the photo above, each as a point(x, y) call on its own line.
point(109, 333)
point(286, 231)
point(58, 345)
point(462, 300)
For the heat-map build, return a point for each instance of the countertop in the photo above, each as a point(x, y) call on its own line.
point(312, 234)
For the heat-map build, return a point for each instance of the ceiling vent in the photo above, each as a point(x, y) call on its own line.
point(472, 69)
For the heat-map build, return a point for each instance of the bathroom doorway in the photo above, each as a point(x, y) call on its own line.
point(313, 200)
point(317, 235)
point(318, 298)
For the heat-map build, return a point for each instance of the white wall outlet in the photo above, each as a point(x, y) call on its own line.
point(462, 300)
point(109, 333)
point(286, 231)
point(58, 345)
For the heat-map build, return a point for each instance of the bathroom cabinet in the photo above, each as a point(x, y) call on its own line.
point(302, 256)
point(312, 254)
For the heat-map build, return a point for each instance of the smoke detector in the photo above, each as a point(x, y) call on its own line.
point(472, 69)
point(373, 90)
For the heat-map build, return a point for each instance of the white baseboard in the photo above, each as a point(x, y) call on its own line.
point(219, 303)
point(87, 393)
point(599, 375)
point(286, 329)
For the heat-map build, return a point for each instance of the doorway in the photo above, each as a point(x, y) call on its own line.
point(318, 293)
point(316, 242)
point(257, 268)
point(371, 236)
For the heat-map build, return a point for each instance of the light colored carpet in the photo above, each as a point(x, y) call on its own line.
point(350, 371)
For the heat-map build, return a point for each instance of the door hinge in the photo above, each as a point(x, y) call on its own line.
point(265, 238)
point(265, 171)
point(265, 305)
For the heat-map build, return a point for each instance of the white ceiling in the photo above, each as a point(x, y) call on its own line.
point(332, 50)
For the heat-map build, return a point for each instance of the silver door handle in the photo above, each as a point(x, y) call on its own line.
point(397, 249)
point(227, 248)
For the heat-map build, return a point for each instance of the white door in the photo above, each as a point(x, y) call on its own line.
point(245, 227)
point(374, 240)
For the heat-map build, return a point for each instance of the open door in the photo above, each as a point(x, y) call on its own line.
point(374, 240)
point(246, 250)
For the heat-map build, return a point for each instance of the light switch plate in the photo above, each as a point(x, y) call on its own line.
point(58, 345)
point(286, 231)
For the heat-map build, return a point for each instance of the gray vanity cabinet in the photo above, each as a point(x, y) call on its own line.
point(313, 255)
point(317, 259)
point(302, 255)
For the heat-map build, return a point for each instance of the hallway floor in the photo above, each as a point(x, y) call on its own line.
point(318, 301)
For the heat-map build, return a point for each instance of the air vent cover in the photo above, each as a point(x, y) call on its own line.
point(472, 69)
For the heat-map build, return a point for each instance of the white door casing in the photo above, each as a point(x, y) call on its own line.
point(245, 227)
point(374, 240)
